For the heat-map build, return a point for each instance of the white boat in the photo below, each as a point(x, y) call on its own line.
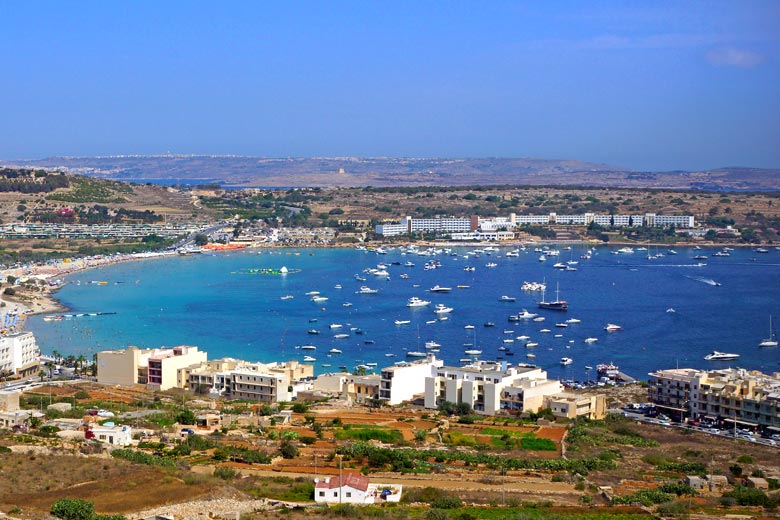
point(309, 359)
point(566, 361)
point(530, 356)
point(402, 322)
point(539, 318)
point(506, 298)
point(542, 258)
point(341, 336)
point(720, 356)
point(431, 345)
point(440, 289)
point(531, 344)
point(468, 327)
point(414, 301)
point(491, 264)
point(287, 297)
point(771, 341)
point(590, 340)
point(312, 293)
point(533, 286)
point(611, 327)
point(308, 347)
point(414, 353)
point(561, 325)
point(573, 320)
point(525, 315)
point(334, 351)
point(366, 290)
point(559, 265)
point(545, 331)
point(336, 325)
point(472, 352)
point(318, 299)
point(337, 286)
point(442, 309)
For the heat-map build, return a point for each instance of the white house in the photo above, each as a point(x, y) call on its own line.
point(355, 489)
point(115, 435)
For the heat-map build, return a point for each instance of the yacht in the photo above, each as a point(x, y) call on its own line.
point(308, 347)
point(531, 344)
point(611, 327)
point(309, 359)
point(402, 322)
point(414, 353)
point(771, 341)
point(525, 315)
point(336, 325)
point(566, 361)
point(317, 299)
point(364, 289)
point(429, 345)
point(440, 289)
point(414, 301)
point(313, 331)
point(287, 297)
point(573, 320)
point(472, 352)
point(442, 309)
point(557, 305)
point(720, 356)
point(590, 340)
point(506, 298)
point(341, 336)
point(561, 325)
point(468, 327)
point(334, 351)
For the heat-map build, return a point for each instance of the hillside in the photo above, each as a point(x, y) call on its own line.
point(237, 171)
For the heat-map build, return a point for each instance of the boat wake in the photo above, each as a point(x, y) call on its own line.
point(708, 281)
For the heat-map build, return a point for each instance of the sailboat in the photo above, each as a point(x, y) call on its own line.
point(557, 305)
point(771, 341)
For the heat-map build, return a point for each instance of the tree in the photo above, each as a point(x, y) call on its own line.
point(186, 417)
point(201, 239)
point(288, 449)
point(73, 509)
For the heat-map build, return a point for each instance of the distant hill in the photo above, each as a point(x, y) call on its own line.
point(240, 171)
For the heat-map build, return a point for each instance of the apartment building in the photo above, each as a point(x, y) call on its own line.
point(403, 382)
point(490, 388)
point(750, 398)
point(357, 389)
point(567, 405)
point(19, 354)
point(236, 379)
point(156, 368)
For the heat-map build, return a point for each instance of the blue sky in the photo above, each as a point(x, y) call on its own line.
point(646, 85)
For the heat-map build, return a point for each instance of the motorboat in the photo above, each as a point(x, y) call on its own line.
point(309, 359)
point(488, 324)
point(442, 309)
point(573, 320)
point(468, 327)
point(318, 299)
point(430, 345)
point(472, 352)
point(561, 325)
point(312, 331)
point(287, 297)
point(590, 340)
point(611, 327)
point(414, 301)
point(308, 347)
point(720, 356)
point(507, 299)
point(415, 353)
point(341, 336)
point(525, 315)
point(566, 361)
point(364, 289)
point(440, 289)
point(538, 319)
point(402, 322)
point(334, 351)
point(531, 344)
point(544, 331)
point(336, 325)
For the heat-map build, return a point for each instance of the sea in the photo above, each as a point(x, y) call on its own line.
point(673, 309)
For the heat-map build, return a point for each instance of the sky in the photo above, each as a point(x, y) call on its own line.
point(658, 85)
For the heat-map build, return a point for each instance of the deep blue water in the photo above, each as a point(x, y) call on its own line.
point(212, 302)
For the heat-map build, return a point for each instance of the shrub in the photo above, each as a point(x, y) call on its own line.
point(745, 459)
point(288, 450)
point(300, 408)
point(73, 509)
point(225, 472)
point(746, 496)
point(447, 503)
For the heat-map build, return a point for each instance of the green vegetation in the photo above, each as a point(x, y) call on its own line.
point(413, 459)
point(646, 497)
point(140, 457)
point(614, 429)
point(92, 190)
point(366, 434)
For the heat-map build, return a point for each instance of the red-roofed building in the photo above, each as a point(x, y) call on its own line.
point(355, 489)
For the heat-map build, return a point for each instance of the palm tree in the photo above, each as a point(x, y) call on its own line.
point(56, 355)
point(80, 361)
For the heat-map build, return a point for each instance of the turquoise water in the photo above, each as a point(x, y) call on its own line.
point(213, 302)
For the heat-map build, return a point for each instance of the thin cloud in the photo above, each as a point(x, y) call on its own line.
point(731, 57)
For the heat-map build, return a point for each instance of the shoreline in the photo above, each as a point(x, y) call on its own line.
point(51, 275)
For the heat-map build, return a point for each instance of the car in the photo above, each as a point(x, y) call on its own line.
point(187, 431)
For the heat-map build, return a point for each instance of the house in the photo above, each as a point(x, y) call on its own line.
point(570, 406)
point(757, 483)
point(718, 482)
point(115, 435)
point(352, 488)
point(696, 482)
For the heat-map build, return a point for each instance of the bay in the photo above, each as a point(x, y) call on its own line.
point(216, 301)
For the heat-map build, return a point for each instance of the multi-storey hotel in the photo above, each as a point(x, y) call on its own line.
point(750, 398)
point(452, 225)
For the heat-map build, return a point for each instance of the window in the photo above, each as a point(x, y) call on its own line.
point(322, 493)
point(349, 494)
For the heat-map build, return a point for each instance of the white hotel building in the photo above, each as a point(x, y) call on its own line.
point(464, 228)
point(19, 354)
